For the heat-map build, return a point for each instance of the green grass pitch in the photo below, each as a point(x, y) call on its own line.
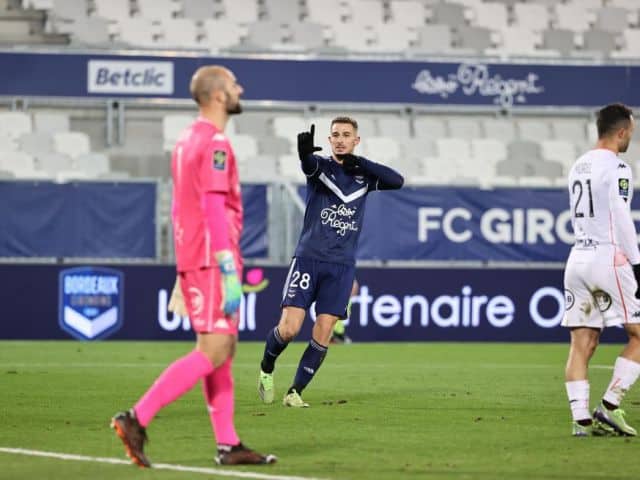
point(378, 411)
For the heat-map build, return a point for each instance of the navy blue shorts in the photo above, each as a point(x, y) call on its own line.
point(328, 284)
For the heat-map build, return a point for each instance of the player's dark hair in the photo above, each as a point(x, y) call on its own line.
point(613, 117)
point(348, 120)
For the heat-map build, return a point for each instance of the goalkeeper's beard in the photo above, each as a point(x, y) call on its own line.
point(234, 109)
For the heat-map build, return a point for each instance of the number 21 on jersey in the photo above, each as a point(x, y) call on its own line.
point(584, 200)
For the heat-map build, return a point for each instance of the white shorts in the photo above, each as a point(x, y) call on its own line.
point(599, 289)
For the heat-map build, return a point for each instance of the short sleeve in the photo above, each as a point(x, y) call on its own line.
point(216, 164)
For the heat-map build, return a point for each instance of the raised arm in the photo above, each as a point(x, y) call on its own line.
point(382, 177)
point(306, 150)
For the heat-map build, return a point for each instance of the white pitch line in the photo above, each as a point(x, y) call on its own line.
point(156, 466)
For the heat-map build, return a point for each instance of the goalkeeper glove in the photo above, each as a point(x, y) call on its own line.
point(231, 288)
point(350, 162)
point(305, 143)
point(636, 273)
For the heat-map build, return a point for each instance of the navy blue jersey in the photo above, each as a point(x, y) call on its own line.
point(334, 213)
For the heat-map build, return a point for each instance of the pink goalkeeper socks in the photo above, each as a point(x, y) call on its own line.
point(177, 379)
point(218, 392)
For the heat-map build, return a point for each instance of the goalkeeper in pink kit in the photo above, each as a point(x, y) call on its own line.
point(207, 224)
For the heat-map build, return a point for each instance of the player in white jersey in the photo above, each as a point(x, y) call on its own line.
point(601, 278)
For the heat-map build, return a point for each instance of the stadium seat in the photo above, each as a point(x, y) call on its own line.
point(456, 149)
point(172, 125)
point(20, 165)
point(307, 35)
point(491, 15)
point(326, 12)
point(8, 144)
point(157, 9)
point(221, 34)
point(560, 40)
point(488, 151)
point(575, 17)
point(416, 148)
point(534, 129)
point(628, 4)
point(429, 127)
point(53, 163)
point(72, 144)
point(477, 39)
point(354, 38)
point(289, 167)
point(503, 129)
point(92, 31)
point(93, 165)
point(266, 35)
point(393, 126)
point(365, 12)
point(630, 45)
point(433, 39)
point(571, 130)
point(37, 4)
point(561, 151)
point(200, 9)
point(392, 38)
point(380, 149)
point(244, 146)
point(516, 41)
point(599, 41)
point(588, 4)
point(116, 10)
point(523, 151)
point(179, 33)
point(531, 16)
point(549, 169)
point(137, 32)
point(276, 146)
point(241, 11)
point(452, 14)
point(283, 11)
point(408, 13)
point(464, 127)
point(14, 124)
point(254, 123)
point(612, 19)
point(36, 143)
point(288, 126)
point(68, 10)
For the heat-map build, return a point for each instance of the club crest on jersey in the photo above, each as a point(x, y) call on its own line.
point(623, 186)
point(90, 302)
point(219, 159)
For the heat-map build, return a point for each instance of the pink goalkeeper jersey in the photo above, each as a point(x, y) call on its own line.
point(203, 161)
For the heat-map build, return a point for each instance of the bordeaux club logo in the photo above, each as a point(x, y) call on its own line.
point(90, 302)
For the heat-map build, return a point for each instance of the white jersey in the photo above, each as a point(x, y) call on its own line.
point(598, 279)
point(600, 192)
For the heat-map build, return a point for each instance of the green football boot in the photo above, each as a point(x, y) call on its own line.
point(265, 387)
point(294, 399)
point(614, 419)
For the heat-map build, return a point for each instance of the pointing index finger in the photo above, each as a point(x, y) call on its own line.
point(312, 131)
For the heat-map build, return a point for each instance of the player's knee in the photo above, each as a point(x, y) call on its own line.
point(288, 331)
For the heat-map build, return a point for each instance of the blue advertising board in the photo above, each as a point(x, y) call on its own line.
point(449, 223)
point(101, 219)
point(502, 305)
point(407, 82)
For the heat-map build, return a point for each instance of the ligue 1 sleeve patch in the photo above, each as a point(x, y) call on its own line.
point(219, 159)
point(623, 187)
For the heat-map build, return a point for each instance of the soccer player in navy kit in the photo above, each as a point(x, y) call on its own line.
point(323, 266)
